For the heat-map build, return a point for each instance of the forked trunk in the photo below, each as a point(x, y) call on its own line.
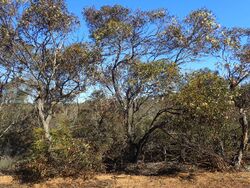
point(144, 140)
point(45, 119)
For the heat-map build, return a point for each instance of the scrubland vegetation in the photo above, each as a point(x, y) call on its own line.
point(145, 115)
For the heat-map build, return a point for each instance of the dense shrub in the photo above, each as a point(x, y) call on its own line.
point(63, 156)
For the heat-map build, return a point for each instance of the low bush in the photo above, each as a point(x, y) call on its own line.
point(6, 163)
point(63, 156)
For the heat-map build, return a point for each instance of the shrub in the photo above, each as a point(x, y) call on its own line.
point(6, 163)
point(63, 156)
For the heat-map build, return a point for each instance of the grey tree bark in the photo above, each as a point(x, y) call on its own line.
point(243, 123)
point(44, 118)
point(244, 139)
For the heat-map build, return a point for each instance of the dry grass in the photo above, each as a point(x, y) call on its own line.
point(183, 180)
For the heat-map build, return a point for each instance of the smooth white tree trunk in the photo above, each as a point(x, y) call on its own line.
point(44, 118)
point(244, 138)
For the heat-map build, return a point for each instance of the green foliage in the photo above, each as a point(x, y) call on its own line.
point(144, 104)
point(113, 28)
point(16, 122)
point(206, 93)
point(159, 70)
point(209, 117)
point(51, 15)
point(65, 155)
point(99, 122)
point(108, 23)
point(6, 163)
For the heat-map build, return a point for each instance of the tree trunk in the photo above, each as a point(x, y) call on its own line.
point(45, 119)
point(244, 138)
point(130, 152)
point(144, 140)
point(128, 125)
point(139, 146)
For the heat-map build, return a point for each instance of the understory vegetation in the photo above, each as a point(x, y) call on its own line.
point(122, 97)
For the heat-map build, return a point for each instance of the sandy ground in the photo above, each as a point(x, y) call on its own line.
point(184, 180)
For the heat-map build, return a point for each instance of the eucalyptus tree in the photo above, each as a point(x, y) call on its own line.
point(234, 56)
point(53, 70)
point(141, 52)
point(7, 12)
point(7, 76)
point(208, 121)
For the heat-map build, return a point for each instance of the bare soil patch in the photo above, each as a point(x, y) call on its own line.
point(182, 180)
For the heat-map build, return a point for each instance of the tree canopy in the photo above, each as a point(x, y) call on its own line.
point(142, 105)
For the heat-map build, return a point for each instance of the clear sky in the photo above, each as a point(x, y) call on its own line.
point(229, 12)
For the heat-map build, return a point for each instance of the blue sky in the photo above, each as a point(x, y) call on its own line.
point(229, 12)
